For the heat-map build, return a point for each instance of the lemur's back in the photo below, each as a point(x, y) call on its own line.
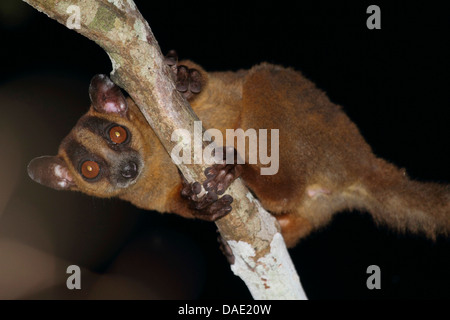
point(325, 164)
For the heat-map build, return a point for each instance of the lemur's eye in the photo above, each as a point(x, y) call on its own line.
point(90, 169)
point(118, 134)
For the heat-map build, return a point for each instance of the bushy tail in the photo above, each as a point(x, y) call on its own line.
point(407, 205)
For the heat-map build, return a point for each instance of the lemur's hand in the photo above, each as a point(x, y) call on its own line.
point(208, 207)
point(218, 178)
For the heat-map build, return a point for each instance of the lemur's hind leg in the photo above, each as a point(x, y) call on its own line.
point(188, 80)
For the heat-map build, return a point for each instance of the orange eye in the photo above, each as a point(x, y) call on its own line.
point(90, 169)
point(118, 134)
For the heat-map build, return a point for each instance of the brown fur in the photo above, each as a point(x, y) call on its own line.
point(325, 164)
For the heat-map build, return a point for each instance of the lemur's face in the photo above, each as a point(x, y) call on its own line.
point(103, 154)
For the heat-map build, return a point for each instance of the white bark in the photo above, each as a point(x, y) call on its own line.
point(270, 277)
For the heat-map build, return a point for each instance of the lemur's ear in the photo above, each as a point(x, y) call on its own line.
point(106, 97)
point(51, 171)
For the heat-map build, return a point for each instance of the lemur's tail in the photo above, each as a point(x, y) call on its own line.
point(407, 205)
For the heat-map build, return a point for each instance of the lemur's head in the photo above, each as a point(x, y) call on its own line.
point(103, 154)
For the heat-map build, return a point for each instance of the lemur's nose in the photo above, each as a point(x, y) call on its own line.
point(129, 170)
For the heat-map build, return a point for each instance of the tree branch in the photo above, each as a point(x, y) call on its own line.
point(262, 260)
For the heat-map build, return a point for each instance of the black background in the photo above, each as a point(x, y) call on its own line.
point(393, 83)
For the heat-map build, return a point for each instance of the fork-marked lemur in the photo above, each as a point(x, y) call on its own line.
point(325, 164)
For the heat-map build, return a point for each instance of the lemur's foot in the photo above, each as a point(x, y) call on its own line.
point(225, 248)
point(221, 175)
point(188, 81)
point(208, 207)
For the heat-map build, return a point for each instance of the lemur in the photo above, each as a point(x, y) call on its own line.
point(325, 164)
